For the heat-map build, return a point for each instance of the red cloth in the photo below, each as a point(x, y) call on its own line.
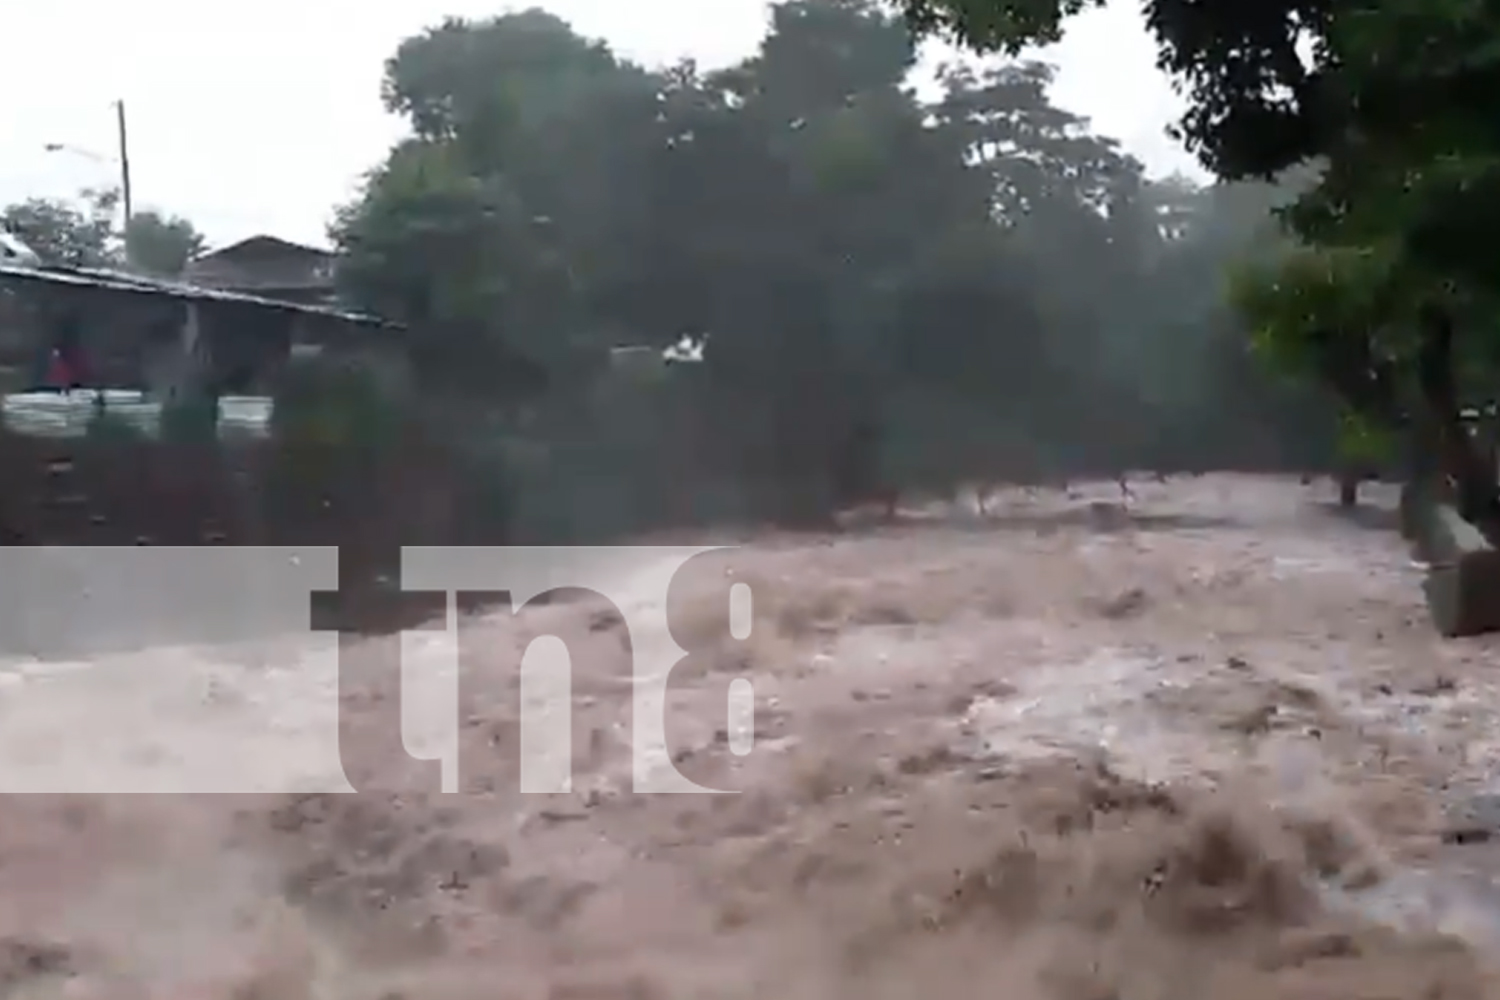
point(67, 369)
point(59, 372)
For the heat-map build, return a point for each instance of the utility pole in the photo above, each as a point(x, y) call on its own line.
point(124, 161)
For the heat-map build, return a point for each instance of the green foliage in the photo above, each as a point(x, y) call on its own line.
point(1390, 299)
point(80, 234)
point(190, 418)
point(334, 405)
point(889, 288)
point(1363, 442)
point(160, 244)
point(1336, 316)
point(993, 286)
point(83, 233)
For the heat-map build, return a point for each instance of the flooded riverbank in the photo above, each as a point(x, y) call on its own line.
point(1206, 746)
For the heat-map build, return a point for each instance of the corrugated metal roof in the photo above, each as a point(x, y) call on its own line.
point(118, 281)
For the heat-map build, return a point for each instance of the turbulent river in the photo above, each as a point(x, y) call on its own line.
point(1205, 744)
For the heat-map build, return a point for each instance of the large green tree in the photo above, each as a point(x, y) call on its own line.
point(83, 232)
point(79, 233)
point(885, 288)
point(1391, 302)
point(161, 244)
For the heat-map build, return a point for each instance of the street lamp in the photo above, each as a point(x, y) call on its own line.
point(123, 160)
point(60, 147)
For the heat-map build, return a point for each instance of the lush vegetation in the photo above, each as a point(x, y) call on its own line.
point(1386, 291)
point(85, 233)
point(884, 289)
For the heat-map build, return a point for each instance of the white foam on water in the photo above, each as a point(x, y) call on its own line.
point(1097, 703)
point(175, 719)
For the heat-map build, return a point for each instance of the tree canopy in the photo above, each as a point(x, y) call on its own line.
point(160, 244)
point(83, 232)
point(1386, 292)
point(79, 234)
point(865, 285)
point(977, 280)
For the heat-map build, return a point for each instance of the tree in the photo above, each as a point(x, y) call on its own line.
point(471, 227)
point(78, 234)
point(82, 233)
point(1396, 104)
point(964, 287)
point(161, 244)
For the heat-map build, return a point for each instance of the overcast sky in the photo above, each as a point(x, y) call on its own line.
point(260, 117)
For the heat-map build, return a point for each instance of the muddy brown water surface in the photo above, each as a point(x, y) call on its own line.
point(1204, 747)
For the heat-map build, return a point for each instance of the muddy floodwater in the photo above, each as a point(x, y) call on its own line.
point(1200, 744)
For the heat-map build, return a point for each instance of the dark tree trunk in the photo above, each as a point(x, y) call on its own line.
point(1348, 489)
point(1460, 457)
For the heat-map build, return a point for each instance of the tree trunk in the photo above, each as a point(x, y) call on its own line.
point(1460, 456)
point(1424, 480)
point(1348, 489)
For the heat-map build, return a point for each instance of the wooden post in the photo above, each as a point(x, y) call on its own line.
point(125, 194)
